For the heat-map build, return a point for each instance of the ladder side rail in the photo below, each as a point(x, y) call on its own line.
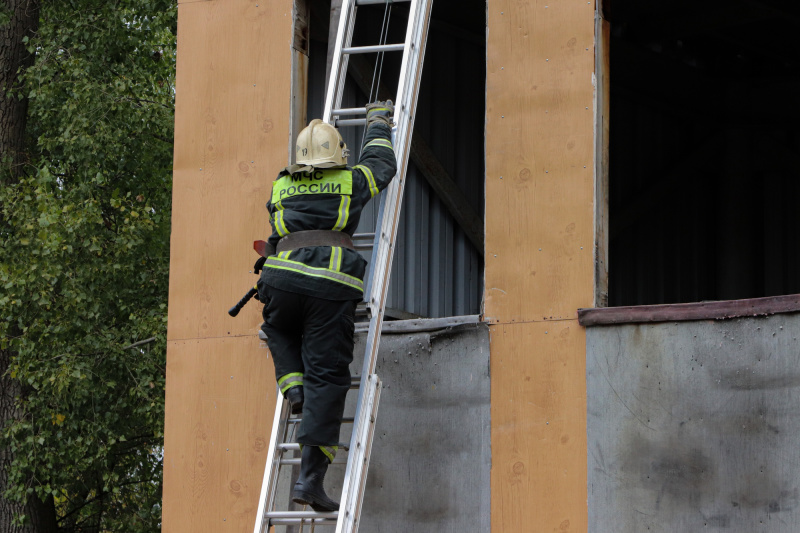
point(272, 468)
point(373, 333)
point(375, 321)
point(368, 436)
point(407, 100)
point(373, 257)
point(358, 463)
point(338, 74)
point(354, 461)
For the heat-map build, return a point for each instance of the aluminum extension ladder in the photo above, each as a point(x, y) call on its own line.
point(346, 519)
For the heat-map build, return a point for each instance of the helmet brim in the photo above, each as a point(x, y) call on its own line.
point(328, 164)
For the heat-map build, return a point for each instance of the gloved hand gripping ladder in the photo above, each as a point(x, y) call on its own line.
point(347, 519)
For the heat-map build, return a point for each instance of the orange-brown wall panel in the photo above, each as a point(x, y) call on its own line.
point(539, 161)
point(220, 401)
point(538, 427)
point(539, 232)
point(539, 257)
point(231, 138)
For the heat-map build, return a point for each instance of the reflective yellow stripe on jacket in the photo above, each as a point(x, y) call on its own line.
point(336, 258)
point(373, 187)
point(344, 213)
point(326, 273)
point(386, 143)
point(280, 225)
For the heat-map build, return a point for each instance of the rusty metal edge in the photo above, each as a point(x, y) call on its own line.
point(717, 310)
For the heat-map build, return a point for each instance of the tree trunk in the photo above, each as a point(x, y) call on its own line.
point(9, 388)
point(41, 515)
point(14, 58)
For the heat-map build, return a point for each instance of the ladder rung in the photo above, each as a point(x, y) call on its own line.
point(291, 518)
point(346, 420)
point(351, 122)
point(295, 446)
point(300, 522)
point(374, 48)
point(296, 462)
point(372, 2)
point(369, 236)
point(350, 111)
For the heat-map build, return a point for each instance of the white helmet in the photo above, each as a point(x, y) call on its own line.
point(320, 145)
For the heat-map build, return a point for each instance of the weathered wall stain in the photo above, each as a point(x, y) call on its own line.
point(746, 379)
point(694, 425)
point(677, 470)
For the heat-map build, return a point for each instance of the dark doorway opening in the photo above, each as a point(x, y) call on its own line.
point(704, 187)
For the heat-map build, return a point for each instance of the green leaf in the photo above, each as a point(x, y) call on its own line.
point(92, 283)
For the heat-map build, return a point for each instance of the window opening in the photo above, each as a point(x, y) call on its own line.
point(703, 186)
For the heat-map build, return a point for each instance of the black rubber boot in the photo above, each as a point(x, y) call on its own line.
point(308, 490)
point(295, 397)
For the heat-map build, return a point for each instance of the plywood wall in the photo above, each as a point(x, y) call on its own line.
point(539, 257)
point(231, 138)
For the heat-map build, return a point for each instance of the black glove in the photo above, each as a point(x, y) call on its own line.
point(259, 264)
point(380, 112)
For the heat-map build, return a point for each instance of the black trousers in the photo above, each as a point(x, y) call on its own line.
point(314, 337)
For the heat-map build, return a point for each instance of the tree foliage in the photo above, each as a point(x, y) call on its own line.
point(84, 233)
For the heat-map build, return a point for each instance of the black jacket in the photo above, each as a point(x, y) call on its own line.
point(329, 199)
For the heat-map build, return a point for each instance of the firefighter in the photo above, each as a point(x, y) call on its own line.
point(314, 280)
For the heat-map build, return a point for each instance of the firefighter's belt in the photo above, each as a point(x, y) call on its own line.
point(315, 237)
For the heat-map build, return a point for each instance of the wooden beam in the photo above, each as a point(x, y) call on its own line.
point(419, 325)
point(601, 163)
point(722, 310)
point(299, 88)
point(448, 191)
point(333, 29)
point(429, 166)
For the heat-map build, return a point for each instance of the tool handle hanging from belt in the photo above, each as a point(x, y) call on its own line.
point(233, 311)
point(264, 249)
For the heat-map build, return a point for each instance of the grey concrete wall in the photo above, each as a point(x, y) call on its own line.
point(695, 426)
point(431, 458)
point(430, 465)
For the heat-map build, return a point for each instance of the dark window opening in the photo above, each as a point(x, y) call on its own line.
point(437, 269)
point(704, 195)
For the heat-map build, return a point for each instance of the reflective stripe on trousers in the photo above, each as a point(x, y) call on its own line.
point(290, 380)
point(329, 451)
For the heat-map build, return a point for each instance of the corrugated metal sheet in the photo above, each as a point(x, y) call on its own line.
point(436, 272)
